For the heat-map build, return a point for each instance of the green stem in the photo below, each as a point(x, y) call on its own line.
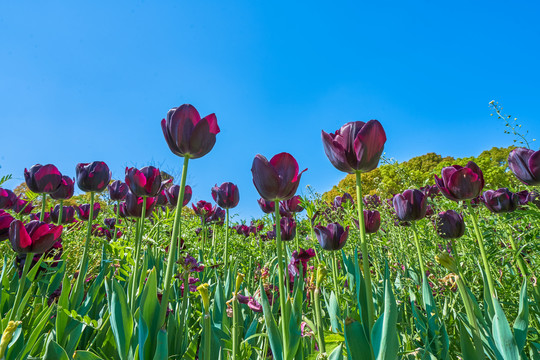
point(235, 332)
point(117, 220)
point(183, 314)
point(335, 270)
point(363, 245)
point(22, 283)
point(318, 317)
point(60, 212)
point(226, 237)
point(473, 323)
point(43, 207)
point(418, 250)
point(172, 247)
point(138, 245)
point(480, 242)
point(207, 328)
point(79, 286)
point(282, 290)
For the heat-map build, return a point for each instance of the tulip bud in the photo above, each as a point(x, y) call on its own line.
point(239, 280)
point(447, 261)
point(203, 291)
point(93, 177)
point(65, 190)
point(43, 178)
point(7, 335)
point(321, 274)
point(525, 164)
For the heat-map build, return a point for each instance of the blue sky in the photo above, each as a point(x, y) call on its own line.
point(84, 81)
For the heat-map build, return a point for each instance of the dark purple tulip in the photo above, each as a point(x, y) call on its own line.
point(267, 207)
point(144, 182)
point(121, 210)
point(35, 237)
point(356, 146)
point(430, 191)
point(118, 190)
point(523, 197)
point(429, 210)
point(449, 224)
point(161, 198)
point(173, 193)
point(203, 209)
point(5, 221)
point(23, 207)
point(340, 200)
point(525, 164)
point(93, 177)
point(187, 134)
point(68, 214)
point(372, 201)
point(110, 223)
point(83, 211)
point(242, 229)
point(277, 179)
point(332, 237)
point(65, 190)
point(411, 205)
point(288, 228)
point(134, 204)
point(271, 234)
point(372, 221)
point(293, 204)
point(217, 217)
point(298, 258)
point(37, 216)
point(461, 183)
point(501, 200)
point(534, 198)
point(226, 195)
point(7, 199)
point(284, 212)
point(43, 178)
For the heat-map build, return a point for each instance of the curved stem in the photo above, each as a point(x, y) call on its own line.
point(363, 246)
point(282, 301)
point(480, 242)
point(172, 247)
point(79, 286)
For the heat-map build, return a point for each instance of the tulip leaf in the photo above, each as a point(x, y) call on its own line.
point(295, 321)
point(121, 319)
point(361, 294)
point(358, 346)
point(85, 355)
point(274, 336)
point(333, 312)
point(502, 334)
point(436, 334)
point(36, 330)
point(53, 351)
point(161, 346)
point(384, 333)
point(467, 348)
point(521, 324)
point(148, 322)
point(337, 354)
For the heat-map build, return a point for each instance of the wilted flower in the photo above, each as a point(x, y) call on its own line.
point(449, 224)
point(277, 179)
point(35, 237)
point(65, 190)
point(332, 237)
point(501, 200)
point(43, 178)
point(93, 177)
point(356, 146)
point(187, 134)
point(226, 195)
point(461, 183)
point(118, 190)
point(525, 164)
point(411, 205)
point(83, 211)
point(173, 193)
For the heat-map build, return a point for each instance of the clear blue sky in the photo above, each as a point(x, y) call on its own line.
point(84, 81)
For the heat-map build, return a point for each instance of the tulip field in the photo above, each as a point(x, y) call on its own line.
point(444, 271)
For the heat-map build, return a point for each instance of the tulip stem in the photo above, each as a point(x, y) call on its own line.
point(60, 212)
point(335, 269)
point(79, 286)
point(172, 247)
point(418, 250)
point(363, 245)
point(282, 301)
point(43, 207)
point(117, 219)
point(138, 241)
point(226, 237)
point(469, 309)
point(235, 328)
point(480, 241)
point(22, 283)
point(318, 317)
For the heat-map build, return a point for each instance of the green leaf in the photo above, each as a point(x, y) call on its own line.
point(502, 335)
point(333, 312)
point(358, 346)
point(384, 333)
point(337, 354)
point(467, 348)
point(85, 355)
point(53, 351)
point(521, 324)
point(161, 346)
point(121, 318)
point(274, 336)
point(148, 308)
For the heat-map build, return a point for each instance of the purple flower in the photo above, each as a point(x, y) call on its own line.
point(173, 193)
point(144, 182)
point(267, 207)
point(65, 190)
point(68, 214)
point(411, 205)
point(187, 134)
point(356, 146)
point(43, 178)
point(525, 164)
point(449, 224)
point(501, 200)
point(523, 197)
point(37, 216)
point(293, 204)
point(7, 199)
point(134, 204)
point(333, 237)
point(217, 217)
point(226, 195)
point(118, 190)
point(93, 177)
point(23, 207)
point(340, 200)
point(288, 228)
point(372, 221)
point(203, 209)
point(298, 258)
point(83, 211)
point(35, 237)
point(5, 221)
point(277, 179)
point(461, 183)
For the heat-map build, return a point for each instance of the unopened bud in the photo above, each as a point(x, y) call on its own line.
point(447, 261)
point(203, 291)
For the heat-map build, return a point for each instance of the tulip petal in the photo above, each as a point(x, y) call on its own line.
point(212, 123)
point(265, 178)
point(335, 152)
point(518, 162)
point(201, 140)
point(369, 145)
point(534, 167)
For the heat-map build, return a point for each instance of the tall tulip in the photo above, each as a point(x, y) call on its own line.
point(5, 222)
point(64, 216)
point(118, 190)
point(188, 136)
point(84, 212)
point(7, 199)
point(450, 224)
point(501, 200)
point(227, 196)
point(525, 164)
point(43, 179)
point(173, 192)
point(411, 205)
point(267, 207)
point(64, 192)
point(144, 182)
